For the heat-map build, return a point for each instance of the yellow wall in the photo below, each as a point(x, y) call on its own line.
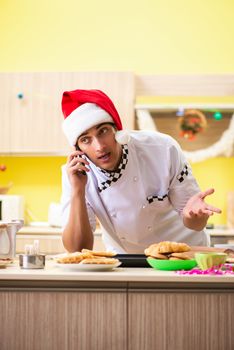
point(219, 174)
point(146, 37)
point(150, 36)
point(38, 179)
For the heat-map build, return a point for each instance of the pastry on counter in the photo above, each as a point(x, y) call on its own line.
point(73, 258)
point(98, 253)
point(167, 247)
point(168, 250)
point(87, 256)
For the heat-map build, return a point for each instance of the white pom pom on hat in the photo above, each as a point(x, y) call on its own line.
point(122, 137)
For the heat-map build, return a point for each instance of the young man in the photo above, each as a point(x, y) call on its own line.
point(138, 184)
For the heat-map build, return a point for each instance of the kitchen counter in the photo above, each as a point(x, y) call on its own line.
point(123, 309)
point(145, 275)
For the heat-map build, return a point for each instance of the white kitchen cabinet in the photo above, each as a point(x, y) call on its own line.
point(30, 107)
point(5, 102)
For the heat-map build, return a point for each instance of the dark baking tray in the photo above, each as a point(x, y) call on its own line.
point(132, 260)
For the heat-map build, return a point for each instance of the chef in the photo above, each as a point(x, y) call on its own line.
point(138, 184)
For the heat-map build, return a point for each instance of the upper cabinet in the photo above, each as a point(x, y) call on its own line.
point(30, 107)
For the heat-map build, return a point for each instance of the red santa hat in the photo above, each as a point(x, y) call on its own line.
point(83, 109)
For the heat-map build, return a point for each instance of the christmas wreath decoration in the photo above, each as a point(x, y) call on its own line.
point(191, 123)
point(224, 146)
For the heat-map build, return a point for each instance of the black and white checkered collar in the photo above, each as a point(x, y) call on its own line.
point(114, 176)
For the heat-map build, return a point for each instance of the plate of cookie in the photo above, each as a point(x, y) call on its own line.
point(170, 256)
point(88, 260)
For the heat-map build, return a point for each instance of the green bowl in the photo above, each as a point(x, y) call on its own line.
point(206, 260)
point(171, 265)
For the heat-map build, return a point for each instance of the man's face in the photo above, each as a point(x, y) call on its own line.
point(100, 146)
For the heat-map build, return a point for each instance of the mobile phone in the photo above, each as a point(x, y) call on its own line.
point(81, 171)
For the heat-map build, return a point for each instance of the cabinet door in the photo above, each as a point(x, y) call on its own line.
point(30, 113)
point(37, 117)
point(180, 320)
point(63, 320)
point(5, 103)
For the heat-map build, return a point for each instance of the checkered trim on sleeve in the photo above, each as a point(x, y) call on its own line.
point(152, 199)
point(183, 174)
point(115, 175)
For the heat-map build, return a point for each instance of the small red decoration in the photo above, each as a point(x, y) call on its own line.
point(2, 167)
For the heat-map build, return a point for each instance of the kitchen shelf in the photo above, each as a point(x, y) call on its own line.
point(165, 107)
point(46, 230)
point(220, 232)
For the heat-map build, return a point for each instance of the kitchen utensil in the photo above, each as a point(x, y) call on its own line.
point(8, 232)
point(4, 240)
point(55, 215)
point(11, 207)
point(132, 260)
point(35, 261)
point(172, 265)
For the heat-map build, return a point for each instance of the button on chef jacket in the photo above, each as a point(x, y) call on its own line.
point(144, 204)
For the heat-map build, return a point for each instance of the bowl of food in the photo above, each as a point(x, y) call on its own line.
point(172, 265)
point(170, 256)
point(207, 260)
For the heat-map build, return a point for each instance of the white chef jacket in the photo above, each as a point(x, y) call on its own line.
point(143, 205)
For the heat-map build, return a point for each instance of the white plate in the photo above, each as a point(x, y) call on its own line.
point(88, 267)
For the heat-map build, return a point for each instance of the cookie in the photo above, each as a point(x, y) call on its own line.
point(152, 249)
point(98, 253)
point(172, 247)
point(73, 258)
point(159, 256)
point(174, 258)
point(182, 256)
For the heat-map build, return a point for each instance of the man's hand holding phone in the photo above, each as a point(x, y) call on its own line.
point(77, 166)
